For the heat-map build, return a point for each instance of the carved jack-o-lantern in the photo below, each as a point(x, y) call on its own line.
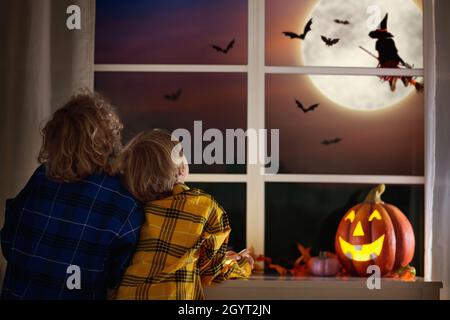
point(374, 233)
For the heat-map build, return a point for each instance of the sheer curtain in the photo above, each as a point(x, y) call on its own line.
point(441, 186)
point(41, 64)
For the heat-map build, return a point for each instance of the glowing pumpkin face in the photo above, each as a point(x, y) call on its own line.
point(374, 233)
point(363, 252)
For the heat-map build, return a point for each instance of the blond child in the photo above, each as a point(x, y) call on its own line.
point(183, 241)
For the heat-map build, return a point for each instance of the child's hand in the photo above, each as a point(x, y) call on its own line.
point(244, 254)
point(231, 255)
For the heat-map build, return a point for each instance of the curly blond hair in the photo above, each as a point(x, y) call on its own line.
point(82, 138)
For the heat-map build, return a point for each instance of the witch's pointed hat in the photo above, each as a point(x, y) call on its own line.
point(382, 31)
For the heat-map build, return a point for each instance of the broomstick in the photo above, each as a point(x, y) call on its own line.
point(407, 65)
point(416, 84)
point(368, 52)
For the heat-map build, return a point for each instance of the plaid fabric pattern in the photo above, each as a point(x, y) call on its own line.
point(93, 224)
point(182, 247)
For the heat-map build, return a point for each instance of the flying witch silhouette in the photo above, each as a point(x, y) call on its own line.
point(388, 56)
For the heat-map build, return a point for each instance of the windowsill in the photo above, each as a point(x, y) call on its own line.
point(282, 288)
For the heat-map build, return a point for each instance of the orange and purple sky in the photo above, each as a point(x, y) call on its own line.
point(166, 32)
point(386, 141)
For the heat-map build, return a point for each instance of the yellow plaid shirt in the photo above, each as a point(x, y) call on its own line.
point(182, 247)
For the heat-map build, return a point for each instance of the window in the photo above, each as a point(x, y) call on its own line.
point(146, 103)
point(347, 119)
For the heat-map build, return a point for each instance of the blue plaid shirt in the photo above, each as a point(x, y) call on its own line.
point(92, 225)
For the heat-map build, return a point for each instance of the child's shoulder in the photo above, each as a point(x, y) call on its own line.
point(38, 175)
point(202, 198)
point(193, 200)
point(112, 186)
point(109, 188)
point(194, 192)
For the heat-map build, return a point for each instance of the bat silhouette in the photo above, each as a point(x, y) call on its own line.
point(329, 42)
point(306, 110)
point(332, 141)
point(302, 36)
point(173, 96)
point(224, 51)
point(344, 22)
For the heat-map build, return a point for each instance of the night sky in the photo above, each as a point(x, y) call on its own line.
point(219, 100)
point(388, 141)
point(175, 31)
point(384, 142)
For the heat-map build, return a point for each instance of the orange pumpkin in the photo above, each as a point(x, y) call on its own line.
point(374, 233)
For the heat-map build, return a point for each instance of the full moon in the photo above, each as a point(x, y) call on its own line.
point(361, 92)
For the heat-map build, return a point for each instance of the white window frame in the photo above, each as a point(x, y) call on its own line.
point(256, 71)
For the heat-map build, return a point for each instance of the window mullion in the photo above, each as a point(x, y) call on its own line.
point(255, 120)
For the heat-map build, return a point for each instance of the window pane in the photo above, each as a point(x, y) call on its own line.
point(170, 32)
point(217, 100)
point(352, 27)
point(310, 213)
point(359, 127)
point(232, 197)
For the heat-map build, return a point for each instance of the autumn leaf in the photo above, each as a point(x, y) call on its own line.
point(304, 252)
point(300, 271)
point(281, 270)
